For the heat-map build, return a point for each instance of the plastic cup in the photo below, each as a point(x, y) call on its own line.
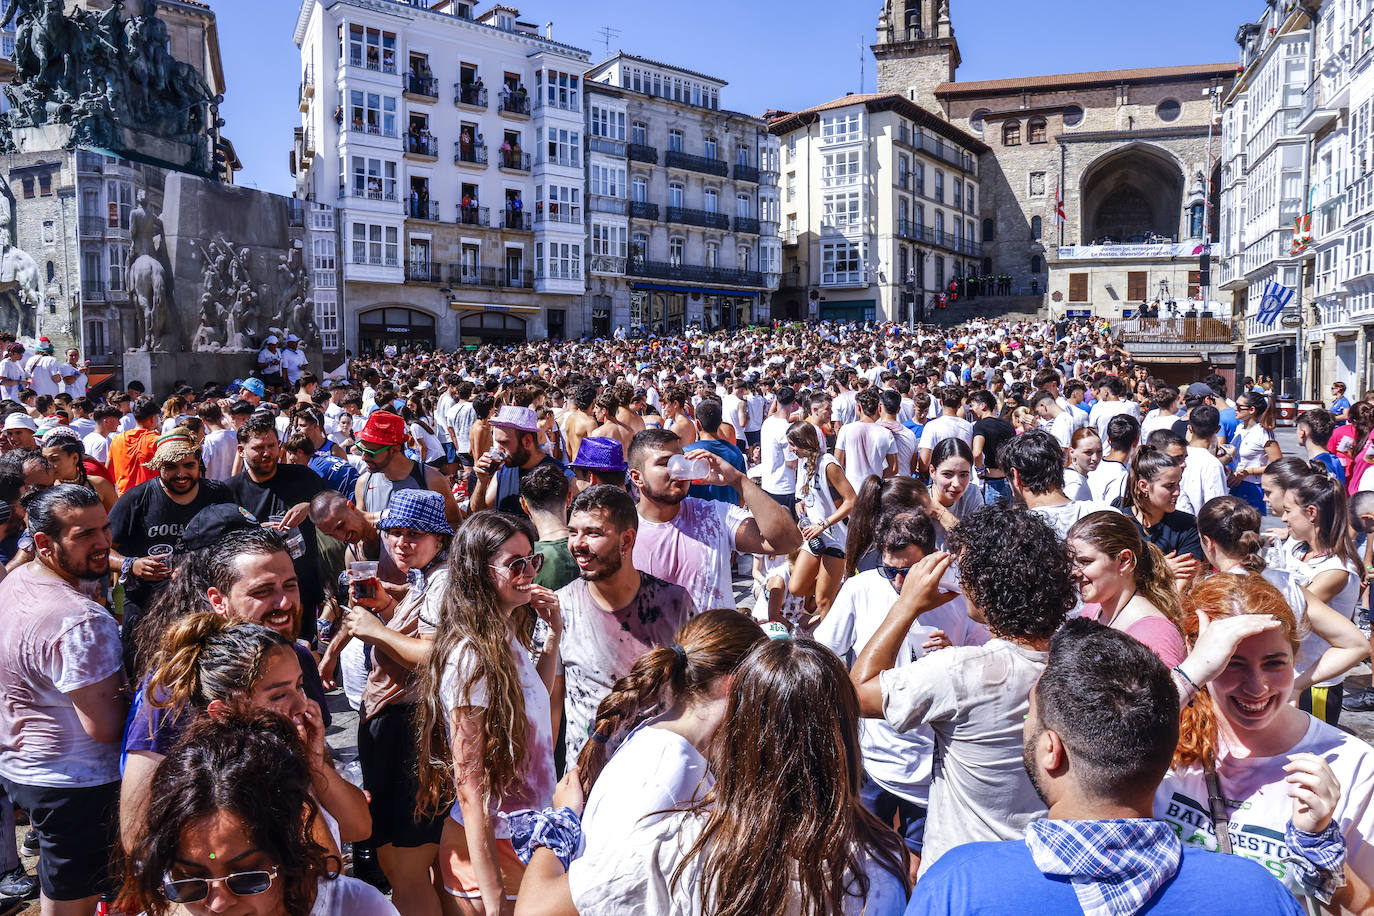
point(295, 542)
point(162, 553)
point(363, 574)
point(680, 467)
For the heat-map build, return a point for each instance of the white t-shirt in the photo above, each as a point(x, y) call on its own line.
point(818, 505)
point(653, 770)
point(1061, 518)
point(1204, 479)
point(461, 417)
point(97, 445)
point(946, 427)
point(346, 896)
point(637, 877)
point(900, 762)
point(774, 454)
point(906, 446)
point(693, 550)
point(427, 443)
point(1103, 411)
point(1249, 444)
point(793, 607)
point(292, 364)
point(218, 451)
point(534, 788)
point(1343, 602)
point(1257, 797)
point(42, 369)
point(12, 376)
point(1076, 485)
point(1107, 481)
point(73, 380)
point(844, 409)
point(866, 447)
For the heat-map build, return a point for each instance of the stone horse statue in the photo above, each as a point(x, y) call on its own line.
point(45, 40)
point(148, 286)
point(20, 289)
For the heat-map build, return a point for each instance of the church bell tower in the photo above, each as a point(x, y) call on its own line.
point(916, 49)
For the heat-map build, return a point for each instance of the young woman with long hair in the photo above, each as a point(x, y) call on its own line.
point(416, 534)
point(67, 455)
point(1333, 645)
point(877, 497)
point(1085, 454)
point(1276, 767)
point(663, 715)
point(1324, 560)
point(1125, 583)
point(485, 727)
point(1164, 412)
point(211, 665)
point(782, 830)
point(1151, 499)
point(953, 491)
point(1252, 448)
point(213, 839)
point(826, 499)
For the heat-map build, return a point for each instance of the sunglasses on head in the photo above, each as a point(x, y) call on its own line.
point(892, 572)
point(240, 884)
point(534, 562)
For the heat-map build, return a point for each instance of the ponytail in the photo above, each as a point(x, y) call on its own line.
point(707, 648)
point(1147, 464)
point(801, 435)
point(206, 657)
point(1234, 525)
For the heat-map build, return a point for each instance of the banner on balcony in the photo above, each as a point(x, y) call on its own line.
point(1158, 250)
point(1276, 299)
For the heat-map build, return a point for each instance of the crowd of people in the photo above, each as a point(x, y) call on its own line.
point(811, 619)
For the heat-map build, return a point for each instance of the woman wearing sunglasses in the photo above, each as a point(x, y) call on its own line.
point(1253, 448)
point(417, 534)
point(213, 842)
point(486, 726)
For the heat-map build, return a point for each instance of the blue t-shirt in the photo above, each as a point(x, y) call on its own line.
point(1333, 464)
point(732, 455)
point(336, 473)
point(1229, 423)
point(1340, 405)
point(1001, 879)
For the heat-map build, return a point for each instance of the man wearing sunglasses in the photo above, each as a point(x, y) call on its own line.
point(382, 444)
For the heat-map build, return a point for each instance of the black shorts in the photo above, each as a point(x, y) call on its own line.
point(386, 751)
point(78, 830)
point(753, 437)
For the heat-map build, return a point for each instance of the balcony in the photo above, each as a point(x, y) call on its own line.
point(768, 178)
point(667, 270)
point(517, 220)
point(1168, 334)
point(89, 162)
point(1255, 330)
point(747, 224)
point(93, 290)
point(599, 203)
point(375, 194)
point(306, 91)
point(374, 260)
point(475, 154)
point(421, 87)
point(514, 104)
point(513, 160)
point(638, 152)
point(937, 147)
point(470, 95)
point(607, 146)
point(835, 279)
point(423, 209)
point(92, 224)
point(911, 230)
point(705, 218)
point(471, 275)
point(566, 160)
point(676, 159)
point(385, 63)
point(557, 214)
point(605, 264)
point(746, 173)
point(423, 272)
point(640, 209)
point(371, 129)
point(423, 146)
point(789, 237)
point(514, 278)
point(473, 216)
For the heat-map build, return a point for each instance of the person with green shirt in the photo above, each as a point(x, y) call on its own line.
point(544, 497)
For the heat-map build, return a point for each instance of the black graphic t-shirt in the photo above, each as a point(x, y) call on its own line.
point(146, 516)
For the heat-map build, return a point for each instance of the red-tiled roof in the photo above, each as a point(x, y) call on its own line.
point(783, 122)
point(1095, 77)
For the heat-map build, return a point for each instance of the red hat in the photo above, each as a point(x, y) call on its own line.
point(384, 428)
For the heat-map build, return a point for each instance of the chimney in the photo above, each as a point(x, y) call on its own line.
point(548, 31)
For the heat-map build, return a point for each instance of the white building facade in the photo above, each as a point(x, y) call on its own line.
point(451, 144)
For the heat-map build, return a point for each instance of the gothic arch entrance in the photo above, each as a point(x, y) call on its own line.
point(1132, 194)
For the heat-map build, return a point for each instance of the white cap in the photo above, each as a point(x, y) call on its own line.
point(292, 338)
point(19, 420)
point(271, 339)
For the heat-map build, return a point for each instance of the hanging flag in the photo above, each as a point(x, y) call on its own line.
point(1275, 300)
point(1059, 205)
point(1302, 233)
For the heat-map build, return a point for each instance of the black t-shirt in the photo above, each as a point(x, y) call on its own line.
point(291, 484)
point(994, 431)
point(145, 516)
point(1176, 531)
point(510, 501)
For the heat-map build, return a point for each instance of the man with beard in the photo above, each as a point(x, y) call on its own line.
point(689, 541)
point(242, 571)
point(382, 443)
point(516, 432)
point(268, 488)
point(612, 614)
point(63, 715)
point(146, 523)
point(1099, 737)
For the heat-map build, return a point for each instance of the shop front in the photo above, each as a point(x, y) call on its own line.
point(493, 326)
point(394, 327)
point(855, 310)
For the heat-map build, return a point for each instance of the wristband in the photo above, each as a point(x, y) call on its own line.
point(1318, 860)
point(126, 568)
point(556, 829)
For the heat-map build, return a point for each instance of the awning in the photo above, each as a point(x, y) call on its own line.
point(489, 307)
point(666, 288)
point(96, 379)
point(1266, 349)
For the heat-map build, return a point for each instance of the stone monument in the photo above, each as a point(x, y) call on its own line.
point(19, 282)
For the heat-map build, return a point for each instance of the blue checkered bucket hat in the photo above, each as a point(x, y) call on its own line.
point(418, 510)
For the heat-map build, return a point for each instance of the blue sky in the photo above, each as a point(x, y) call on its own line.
point(785, 54)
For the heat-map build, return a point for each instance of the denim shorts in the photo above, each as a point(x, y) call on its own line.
point(909, 816)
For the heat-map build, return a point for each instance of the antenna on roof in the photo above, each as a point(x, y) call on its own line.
point(607, 33)
point(861, 65)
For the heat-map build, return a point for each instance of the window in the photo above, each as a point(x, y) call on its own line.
point(841, 211)
point(841, 262)
point(1011, 133)
point(939, 221)
point(1169, 110)
point(563, 148)
point(940, 271)
point(372, 113)
point(49, 232)
point(742, 257)
point(1073, 116)
point(608, 240)
point(374, 179)
point(675, 140)
point(920, 178)
point(840, 129)
point(1078, 287)
point(327, 317)
point(557, 90)
point(28, 187)
point(608, 181)
point(371, 48)
point(744, 155)
point(564, 261)
point(958, 188)
point(45, 185)
point(1036, 227)
point(115, 257)
point(711, 198)
point(96, 342)
point(1037, 184)
point(1194, 284)
point(119, 197)
point(1035, 130)
point(675, 195)
point(675, 247)
point(639, 189)
point(1137, 285)
point(323, 264)
point(742, 206)
point(989, 230)
point(639, 133)
point(968, 199)
point(710, 147)
point(563, 203)
point(791, 185)
point(939, 186)
point(1037, 264)
point(639, 245)
point(842, 169)
point(608, 124)
point(375, 245)
point(713, 254)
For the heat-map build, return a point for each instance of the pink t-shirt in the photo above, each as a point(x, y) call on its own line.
point(1158, 633)
point(693, 550)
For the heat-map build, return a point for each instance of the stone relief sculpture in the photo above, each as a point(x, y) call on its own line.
point(239, 300)
point(103, 74)
point(20, 292)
